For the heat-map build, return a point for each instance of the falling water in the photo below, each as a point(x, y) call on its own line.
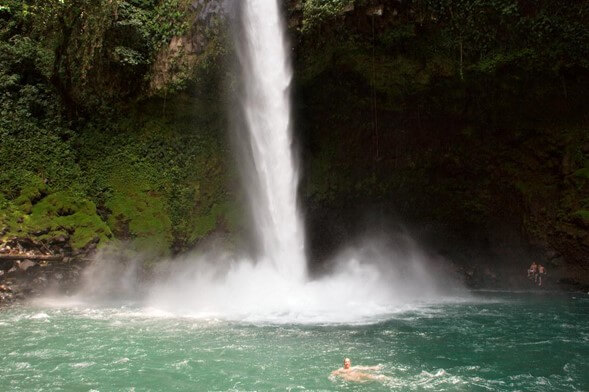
point(266, 104)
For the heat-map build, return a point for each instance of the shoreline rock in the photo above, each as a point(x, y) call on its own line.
point(28, 268)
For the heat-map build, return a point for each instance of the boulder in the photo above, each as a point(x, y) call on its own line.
point(5, 265)
point(41, 232)
point(62, 239)
point(25, 265)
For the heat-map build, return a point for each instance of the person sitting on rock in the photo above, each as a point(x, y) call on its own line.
point(533, 271)
point(541, 274)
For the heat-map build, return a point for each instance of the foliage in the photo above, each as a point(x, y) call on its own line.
point(498, 32)
point(98, 52)
point(35, 138)
point(68, 69)
point(449, 93)
point(157, 175)
point(168, 20)
point(582, 173)
point(479, 36)
point(317, 12)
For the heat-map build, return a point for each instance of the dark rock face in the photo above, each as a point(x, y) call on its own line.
point(486, 166)
point(27, 270)
point(20, 283)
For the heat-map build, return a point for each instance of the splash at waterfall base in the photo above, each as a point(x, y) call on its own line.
point(354, 291)
point(363, 284)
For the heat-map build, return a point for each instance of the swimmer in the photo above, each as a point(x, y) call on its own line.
point(351, 373)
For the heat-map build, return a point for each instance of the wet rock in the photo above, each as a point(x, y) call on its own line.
point(569, 282)
point(6, 297)
point(552, 254)
point(293, 22)
point(349, 8)
point(296, 5)
point(555, 262)
point(41, 232)
point(25, 265)
point(490, 275)
point(5, 265)
point(62, 239)
point(40, 283)
point(375, 10)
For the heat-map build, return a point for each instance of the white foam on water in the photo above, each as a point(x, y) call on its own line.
point(22, 365)
point(365, 286)
point(39, 316)
point(82, 365)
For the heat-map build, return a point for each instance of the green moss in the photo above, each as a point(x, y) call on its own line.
point(316, 12)
point(58, 214)
point(225, 215)
point(582, 173)
point(9, 216)
point(63, 213)
point(159, 172)
point(140, 216)
point(22, 187)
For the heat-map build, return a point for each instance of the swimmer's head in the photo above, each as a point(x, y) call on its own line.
point(347, 363)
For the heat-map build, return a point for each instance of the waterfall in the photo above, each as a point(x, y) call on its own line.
point(366, 282)
point(272, 183)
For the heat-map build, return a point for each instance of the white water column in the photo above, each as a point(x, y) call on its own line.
point(267, 73)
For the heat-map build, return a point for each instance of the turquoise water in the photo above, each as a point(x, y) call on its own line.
point(497, 341)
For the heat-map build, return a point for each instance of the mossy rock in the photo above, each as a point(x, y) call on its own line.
point(9, 218)
point(141, 218)
point(23, 188)
point(66, 214)
point(225, 215)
